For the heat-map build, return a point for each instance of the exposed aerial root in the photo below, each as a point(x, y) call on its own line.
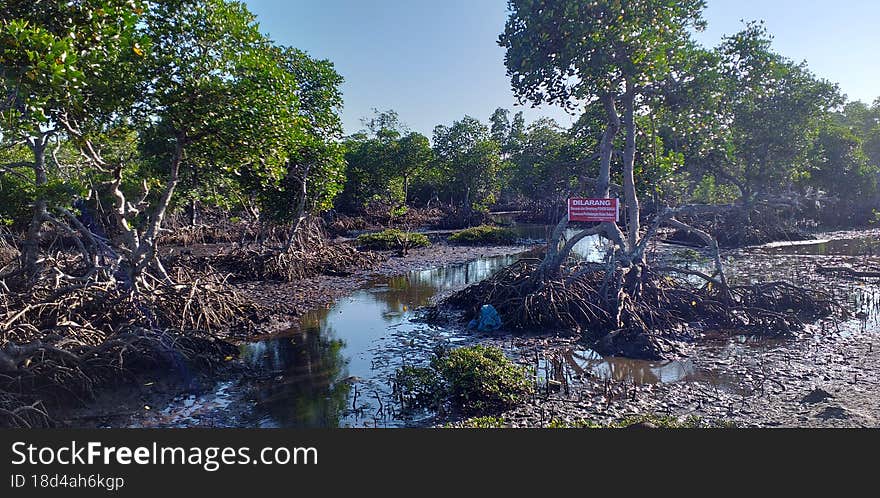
point(18, 411)
point(64, 337)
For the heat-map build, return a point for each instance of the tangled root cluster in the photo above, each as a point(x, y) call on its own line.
point(8, 254)
point(652, 304)
point(202, 301)
point(18, 411)
point(384, 215)
point(188, 235)
point(525, 303)
point(54, 368)
point(734, 229)
point(584, 300)
point(296, 264)
point(205, 301)
point(59, 341)
point(778, 307)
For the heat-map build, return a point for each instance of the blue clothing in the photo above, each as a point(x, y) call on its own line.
point(489, 319)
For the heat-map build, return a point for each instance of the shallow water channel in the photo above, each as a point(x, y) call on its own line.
point(335, 370)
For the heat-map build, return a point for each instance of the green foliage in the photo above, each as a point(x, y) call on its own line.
point(392, 239)
point(474, 379)
point(17, 186)
point(314, 155)
point(382, 162)
point(481, 379)
point(687, 128)
point(485, 235)
point(774, 107)
point(558, 423)
point(399, 211)
point(648, 420)
point(479, 423)
point(231, 105)
point(258, 123)
point(418, 386)
point(469, 163)
point(56, 57)
point(670, 422)
point(17, 193)
point(568, 51)
point(842, 161)
point(547, 161)
point(571, 53)
point(709, 191)
point(157, 103)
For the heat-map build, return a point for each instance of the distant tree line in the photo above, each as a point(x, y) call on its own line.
point(733, 124)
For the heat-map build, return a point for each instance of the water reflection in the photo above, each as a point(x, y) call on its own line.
point(863, 246)
point(581, 363)
point(309, 389)
point(350, 348)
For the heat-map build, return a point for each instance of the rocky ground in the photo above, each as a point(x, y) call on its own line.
point(829, 380)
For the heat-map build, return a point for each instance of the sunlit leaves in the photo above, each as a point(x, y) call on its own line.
point(53, 55)
point(570, 51)
point(773, 106)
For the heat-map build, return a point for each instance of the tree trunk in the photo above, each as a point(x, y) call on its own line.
point(606, 147)
point(300, 215)
point(405, 189)
point(31, 245)
point(629, 186)
point(145, 255)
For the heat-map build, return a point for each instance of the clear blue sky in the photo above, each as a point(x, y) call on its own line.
point(435, 61)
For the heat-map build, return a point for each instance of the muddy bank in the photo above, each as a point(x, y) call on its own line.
point(311, 366)
point(829, 381)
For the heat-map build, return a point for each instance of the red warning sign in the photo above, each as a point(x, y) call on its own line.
point(593, 210)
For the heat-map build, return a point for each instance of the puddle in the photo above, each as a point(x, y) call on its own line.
point(863, 246)
point(575, 364)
